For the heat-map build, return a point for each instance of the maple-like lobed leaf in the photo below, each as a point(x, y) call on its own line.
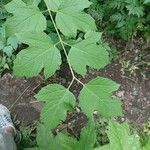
point(121, 138)
point(87, 137)
point(67, 5)
point(88, 53)
point(70, 16)
point(41, 54)
point(53, 5)
point(86, 141)
point(46, 139)
point(70, 23)
point(58, 100)
point(97, 96)
point(26, 18)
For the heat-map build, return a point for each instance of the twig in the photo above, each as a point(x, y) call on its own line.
point(128, 78)
point(19, 97)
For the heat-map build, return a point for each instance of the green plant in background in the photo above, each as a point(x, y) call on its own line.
point(3, 13)
point(145, 135)
point(121, 138)
point(28, 136)
point(128, 66)
point(77, 39)
point(127, 17)
point(7, 47)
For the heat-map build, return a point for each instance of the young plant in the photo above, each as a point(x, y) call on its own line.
point(68, 18)
point(7, 48)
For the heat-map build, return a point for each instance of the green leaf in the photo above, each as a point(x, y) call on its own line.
point(96, 96)
point(25, 18)
point(8, 50)
point(86, 141)
point(58, 100)
point(121, 138)
point(87, 137)
point(116, 17)
point(3, 13)
point(40, 54)
point(2, 33)
point(105, 147)
point(66, 142)
point(146, 1)
point(53, 4)
point(70, 16)
point(4, 2)
point(13, 41)
point(68, 5)
point(134, 8)
point(32, 2)
point(116, 4)
point(46, 140)
point(88, 53)
point(34, 148)
point(147, 145)
point(2, 45)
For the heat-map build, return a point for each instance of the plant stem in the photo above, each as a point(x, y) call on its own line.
point(62, 44)
point(71, 83)
point(64, 49)
point(79, 81)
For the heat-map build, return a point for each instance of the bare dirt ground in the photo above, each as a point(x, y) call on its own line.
point(18, 95)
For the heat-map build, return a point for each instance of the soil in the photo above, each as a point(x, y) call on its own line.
point(18, 93)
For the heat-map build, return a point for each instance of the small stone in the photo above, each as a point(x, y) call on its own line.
point(136, 58)
point(130, 104)
point(77, 109)
point(122, 119)
point(120, 94)
point(74, 91)
point(135, 92)
point(95, 113)
point(63, 81)
point(136, 51)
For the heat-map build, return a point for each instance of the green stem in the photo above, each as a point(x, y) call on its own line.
point(62, 43)
point(64, 49)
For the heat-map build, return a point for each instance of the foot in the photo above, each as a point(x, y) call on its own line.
point(5, 121)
